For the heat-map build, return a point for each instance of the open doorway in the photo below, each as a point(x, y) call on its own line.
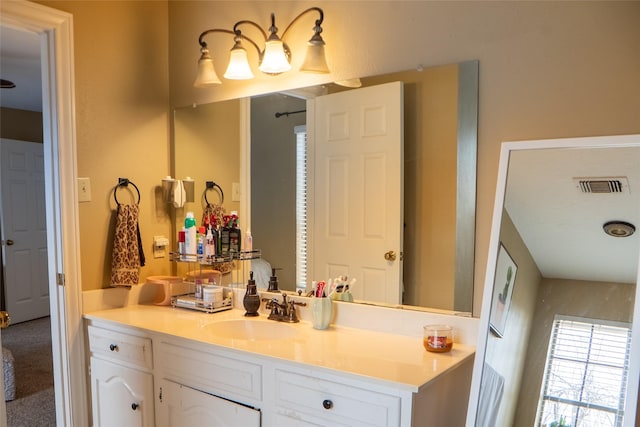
point(25, 290)
point(54, 31)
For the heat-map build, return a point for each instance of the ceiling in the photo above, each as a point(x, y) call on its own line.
point(20, 63)
point(561, 225)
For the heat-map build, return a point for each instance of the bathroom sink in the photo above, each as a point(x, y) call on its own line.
point(252, 330)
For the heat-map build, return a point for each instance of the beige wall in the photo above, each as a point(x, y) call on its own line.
point(506, 354)
point(552, 69)
point(21, 124)
point(547, 69)
point(122, 121)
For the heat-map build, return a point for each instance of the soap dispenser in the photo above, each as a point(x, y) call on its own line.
point(273, 282)
point(251, 300)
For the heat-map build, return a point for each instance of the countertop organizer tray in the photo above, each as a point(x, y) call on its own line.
point(190, 301)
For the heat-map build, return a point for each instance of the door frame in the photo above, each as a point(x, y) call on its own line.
point(55, 29)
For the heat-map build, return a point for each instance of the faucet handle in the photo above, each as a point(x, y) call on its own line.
point(292, 316)
point(273, 305)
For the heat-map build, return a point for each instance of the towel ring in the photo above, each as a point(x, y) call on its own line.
point(124, 182)
point(210, 185)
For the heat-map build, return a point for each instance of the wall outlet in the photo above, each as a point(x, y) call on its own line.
point(84, 190)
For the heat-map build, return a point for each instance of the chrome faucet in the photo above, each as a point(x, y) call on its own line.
point(283, 312)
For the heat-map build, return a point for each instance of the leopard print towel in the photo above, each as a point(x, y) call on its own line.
point(127, 248)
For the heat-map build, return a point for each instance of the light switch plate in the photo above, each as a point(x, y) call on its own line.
point(84, 190)
point(235, 192)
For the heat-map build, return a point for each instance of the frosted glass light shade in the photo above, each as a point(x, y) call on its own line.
point(275, 60)
point(315, 61)
point(238, 68)
point(206, 72)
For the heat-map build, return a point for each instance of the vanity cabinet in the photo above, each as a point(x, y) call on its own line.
point(121, 378)
point(198, 377)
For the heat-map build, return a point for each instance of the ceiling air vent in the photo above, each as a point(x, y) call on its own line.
point(618, 184)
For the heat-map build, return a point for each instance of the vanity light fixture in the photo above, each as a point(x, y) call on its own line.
point(274, 59)
point(619, 228)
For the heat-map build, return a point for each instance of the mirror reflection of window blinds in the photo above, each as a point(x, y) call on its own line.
point(301, 206)
point(585, 373)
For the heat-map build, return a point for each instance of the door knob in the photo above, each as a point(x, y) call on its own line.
point(390, 256)
point(10, 242)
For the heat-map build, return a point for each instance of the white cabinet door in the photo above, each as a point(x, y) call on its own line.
point(182, 406)
point(120, 396)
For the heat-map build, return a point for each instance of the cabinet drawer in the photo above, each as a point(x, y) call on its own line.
point(120, 347)
point(336, 403)
point(225, 376)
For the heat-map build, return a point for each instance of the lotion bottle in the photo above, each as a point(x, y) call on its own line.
point(190, 242)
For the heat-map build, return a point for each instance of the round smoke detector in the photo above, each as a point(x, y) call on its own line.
point(619, 228)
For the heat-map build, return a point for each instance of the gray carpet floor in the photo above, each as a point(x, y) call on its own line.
point(30, 344)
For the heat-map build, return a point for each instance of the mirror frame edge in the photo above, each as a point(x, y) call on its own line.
point(467, 177)
point(483, 327)
point(633, 378)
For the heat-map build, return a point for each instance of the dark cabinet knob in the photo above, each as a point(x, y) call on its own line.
point(134, 406)
point(327, 404)
point(113, 347)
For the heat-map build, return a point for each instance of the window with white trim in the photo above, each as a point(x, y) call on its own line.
point(301, 206)
point(585, 377)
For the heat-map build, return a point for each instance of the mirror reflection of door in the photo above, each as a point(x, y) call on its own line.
point(358, 190)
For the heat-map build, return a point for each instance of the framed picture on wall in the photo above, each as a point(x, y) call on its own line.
point(503, 283)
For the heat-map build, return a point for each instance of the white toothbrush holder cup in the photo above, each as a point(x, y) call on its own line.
point(321, 311)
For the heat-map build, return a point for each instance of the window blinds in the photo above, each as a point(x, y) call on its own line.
point(585, 374)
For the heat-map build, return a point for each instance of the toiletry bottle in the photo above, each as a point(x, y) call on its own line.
point(210, 246)
point(235, 236)
point(181, 245)
point(273, 281)
point(198, 289)
point(190, 237)
point(224, 236)
point(248, 242)
point(200, 247)
point(251, 300)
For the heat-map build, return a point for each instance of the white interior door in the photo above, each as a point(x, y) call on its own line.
point(24, 231)
point(358, 190)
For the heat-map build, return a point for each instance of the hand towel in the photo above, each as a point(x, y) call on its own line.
point(128, 255)
point(491, 390)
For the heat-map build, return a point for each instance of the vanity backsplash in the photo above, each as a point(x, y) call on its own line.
point(406, 322)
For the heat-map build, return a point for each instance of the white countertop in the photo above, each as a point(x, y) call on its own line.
point(384, 357)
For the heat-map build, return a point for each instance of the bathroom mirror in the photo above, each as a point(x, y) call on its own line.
point(561, 294)
point(440, 132)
